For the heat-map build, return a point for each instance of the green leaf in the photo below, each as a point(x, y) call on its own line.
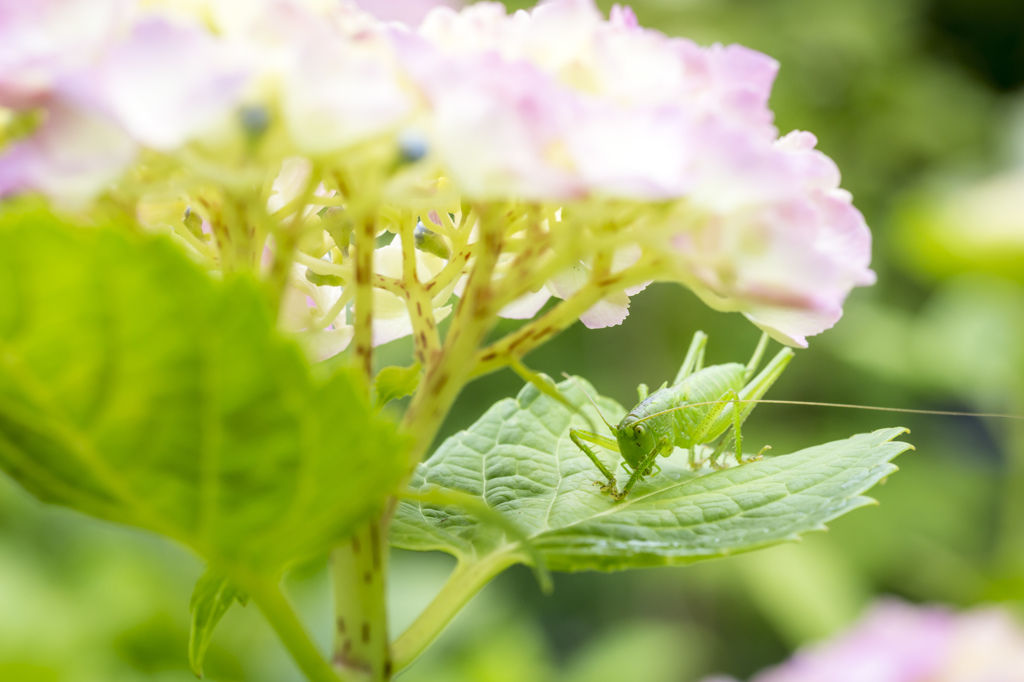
point(136, 388)
point(518, 458)
point(212, 597)
point(393, 383)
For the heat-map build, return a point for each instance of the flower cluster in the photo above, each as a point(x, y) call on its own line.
point(621, 156)
point(896, 642)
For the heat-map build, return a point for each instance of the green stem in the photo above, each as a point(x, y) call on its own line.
point(281, 616)
point(358, 570)
point(517, 344)
point(474, 317)
point(287, 234)
point(364, 236)
point(465, 581)
point(426, 339)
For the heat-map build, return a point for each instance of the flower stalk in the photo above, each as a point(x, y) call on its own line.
point(468, 578)
point(358, 569)
point(363, 351)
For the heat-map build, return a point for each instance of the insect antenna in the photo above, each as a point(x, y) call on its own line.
point(943, 413)
point(584, 391)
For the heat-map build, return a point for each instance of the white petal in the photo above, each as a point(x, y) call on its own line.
point(525, 307)
point(569, 281)
point(607, 313)
point(327, 343)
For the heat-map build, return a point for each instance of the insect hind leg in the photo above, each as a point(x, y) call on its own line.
point(719, 451)
point(755, 359)
point(694, 360)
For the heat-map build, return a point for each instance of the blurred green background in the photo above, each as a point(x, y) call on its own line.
point(921, 103)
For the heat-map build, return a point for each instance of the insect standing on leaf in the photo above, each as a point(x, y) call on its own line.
point(702, 404)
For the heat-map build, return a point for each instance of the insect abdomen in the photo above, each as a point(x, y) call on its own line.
point(705, 386)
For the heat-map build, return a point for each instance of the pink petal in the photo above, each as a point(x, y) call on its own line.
point(45, 42)
point(168, 83)
point(409, 12)
point(72, 157)
point(895, 642)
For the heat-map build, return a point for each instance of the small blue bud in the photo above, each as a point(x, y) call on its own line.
point(255, 120)
point(412, 146)
point(193, 223)
point(429, 241)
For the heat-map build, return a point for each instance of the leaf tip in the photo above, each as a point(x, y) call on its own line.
point(195, 658)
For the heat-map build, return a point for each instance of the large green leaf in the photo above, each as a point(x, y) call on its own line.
point(137, 388)
point(518, 459)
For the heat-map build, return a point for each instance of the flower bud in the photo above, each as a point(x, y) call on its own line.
point(429, 241)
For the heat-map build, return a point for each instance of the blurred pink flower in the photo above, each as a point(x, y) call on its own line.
point(160, 79)
point(331, 74)
point(112, 87)
point(71, 157)
point(497, 126)
point(771, 234)
point(409, 12)
point(44, 43)
point(898, 642)
point(895, 642)
point(560, 104)
point(166, 83)
point(623, 103)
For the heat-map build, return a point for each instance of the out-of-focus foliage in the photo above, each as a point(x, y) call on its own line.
point(245, 459)
point(138, 390)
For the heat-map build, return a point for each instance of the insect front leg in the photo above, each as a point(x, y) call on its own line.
point(638, 475)
point(578, 436)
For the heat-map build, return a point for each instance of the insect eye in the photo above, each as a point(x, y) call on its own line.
point(639, 430)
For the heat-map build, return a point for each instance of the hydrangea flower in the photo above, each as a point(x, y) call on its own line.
point(898, 642)
point(390, 313)
point(159, 79)
point(558, 104)
point(303, 312)
point(555, 107)
point(119, 86)
point(608, 312)
point(605, 107)
point(307, 307)
point(769, 233)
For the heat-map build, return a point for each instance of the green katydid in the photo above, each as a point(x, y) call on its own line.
point(702, 404)
point(721, 397)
